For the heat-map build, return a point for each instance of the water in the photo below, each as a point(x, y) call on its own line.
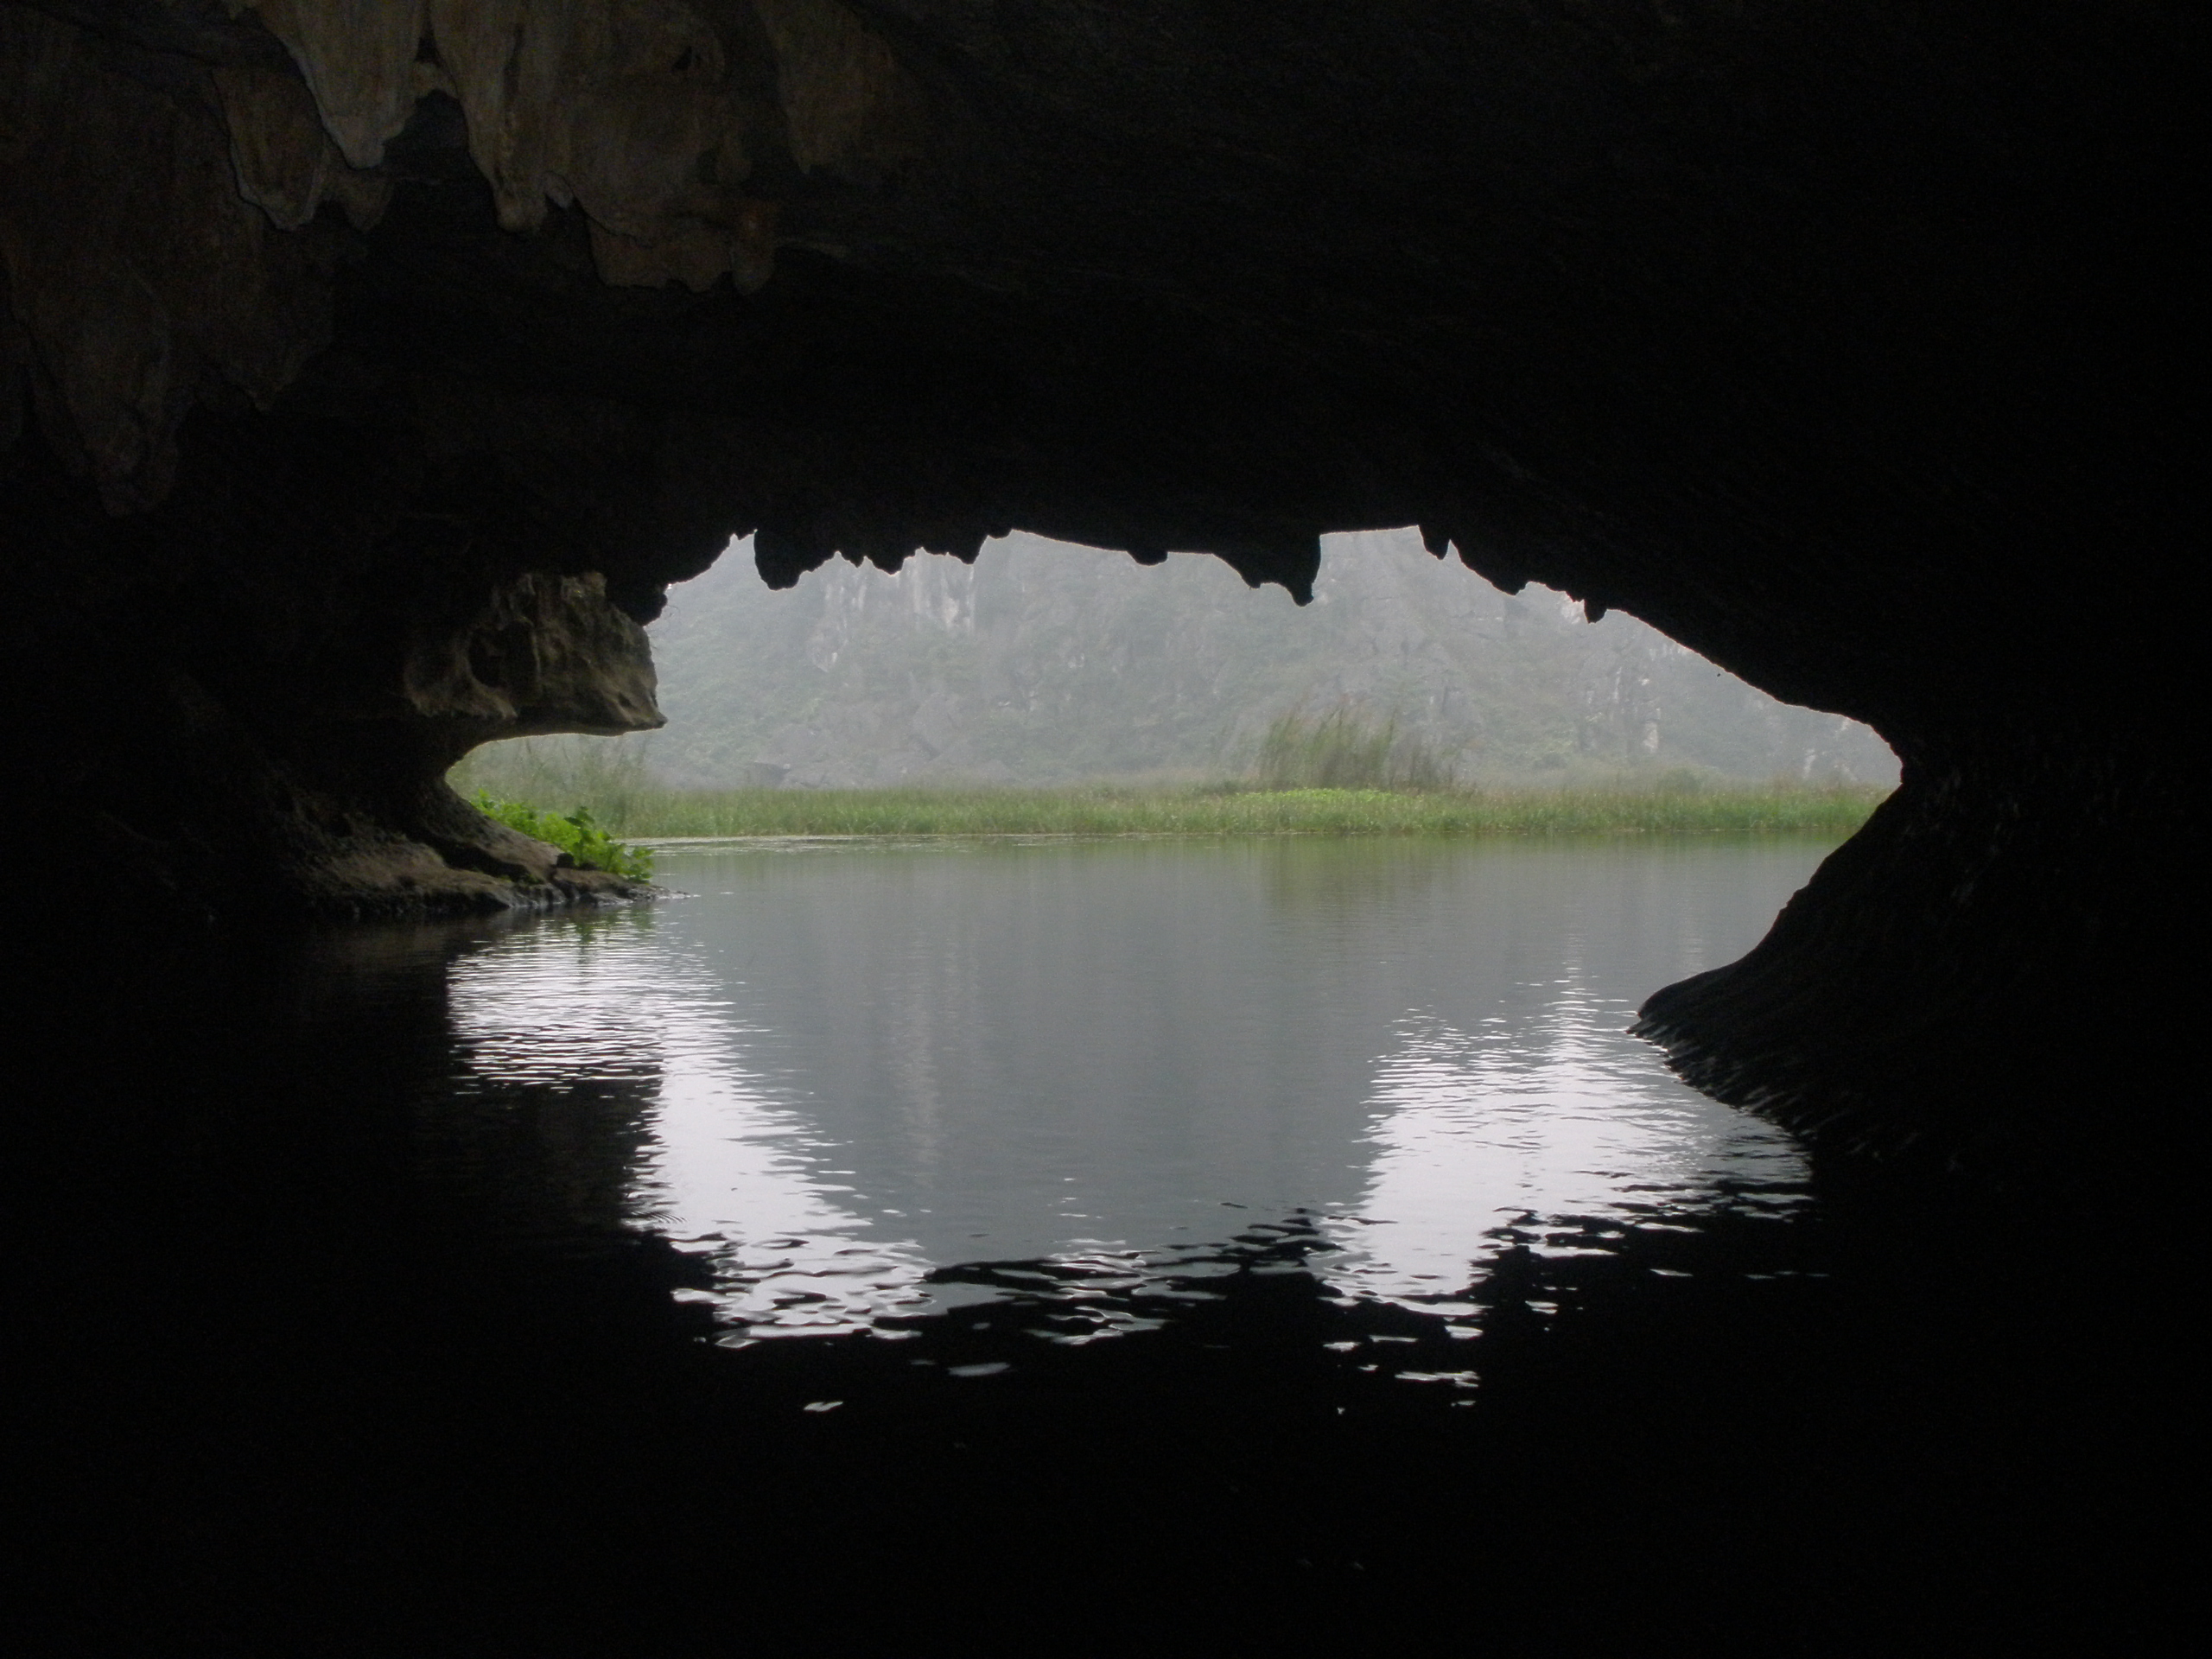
point(861, 1069)
point(1133, 1246)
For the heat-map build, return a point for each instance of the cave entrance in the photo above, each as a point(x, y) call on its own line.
point(1125, 894)
point(1046, 665)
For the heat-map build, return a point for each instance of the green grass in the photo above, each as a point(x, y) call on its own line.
point(1239, 812)
point(612, 790)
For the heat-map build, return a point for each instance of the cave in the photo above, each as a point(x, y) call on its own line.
point(365, 377)
point(370, 371)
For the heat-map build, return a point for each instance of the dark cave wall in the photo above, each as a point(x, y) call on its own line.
point(360, 391)
point(1990, 976)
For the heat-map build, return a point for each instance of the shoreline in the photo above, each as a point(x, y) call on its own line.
point(677, 843)
point(652, 817)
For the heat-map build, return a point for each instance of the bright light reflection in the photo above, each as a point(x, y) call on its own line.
point(730, 1174)
point(1474, 1132)
point(1517, 1123)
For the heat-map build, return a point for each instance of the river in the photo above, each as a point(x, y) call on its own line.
point(1012, 1246)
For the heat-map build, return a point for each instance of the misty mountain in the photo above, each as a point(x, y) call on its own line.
point(1045, 663)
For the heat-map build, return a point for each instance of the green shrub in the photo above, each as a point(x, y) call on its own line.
point(577, 834)
point(604, 773)
point(1343, 750)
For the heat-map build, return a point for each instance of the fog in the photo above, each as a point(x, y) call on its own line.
point(1048, 664)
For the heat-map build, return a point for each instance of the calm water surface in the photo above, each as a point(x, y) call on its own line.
point(862, 1067)
point(1127, 1247)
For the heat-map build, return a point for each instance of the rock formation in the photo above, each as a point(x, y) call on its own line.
point(367, 367)
point(1042, 663)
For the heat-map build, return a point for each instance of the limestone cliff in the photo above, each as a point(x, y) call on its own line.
point(1046, 664)
point(347, 347)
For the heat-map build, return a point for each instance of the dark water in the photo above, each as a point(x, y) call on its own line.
point(1198, 1247)
point(861, 1070)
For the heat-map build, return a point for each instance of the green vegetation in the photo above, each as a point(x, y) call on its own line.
point(1343, 751)
point(577, 834)
point(609, 776)
point(1237, 811)
point(1230, 810)
point(619, 796)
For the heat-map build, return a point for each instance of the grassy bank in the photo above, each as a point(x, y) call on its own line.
point(650, 813)
point(1341, 773)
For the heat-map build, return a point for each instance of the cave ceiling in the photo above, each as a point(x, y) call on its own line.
point(1750, 318)
point(369, 369)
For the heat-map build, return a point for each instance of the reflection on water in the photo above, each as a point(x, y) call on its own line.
point(859, 1073)
point(404, 1291)
point(1490, 1132)
point(726, 1170)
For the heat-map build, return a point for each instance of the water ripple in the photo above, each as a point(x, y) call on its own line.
point(833, 1179)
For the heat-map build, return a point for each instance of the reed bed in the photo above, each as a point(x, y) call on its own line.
point(612, 783)
point(1347, 749)
point(645, 814)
